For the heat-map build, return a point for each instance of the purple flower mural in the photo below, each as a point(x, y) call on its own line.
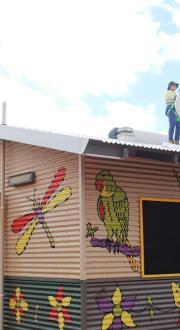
point(116, 311)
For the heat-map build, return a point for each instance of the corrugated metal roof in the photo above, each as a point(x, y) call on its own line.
point(163, 147)
point(74, 143)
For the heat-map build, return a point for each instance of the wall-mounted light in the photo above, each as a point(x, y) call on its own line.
point(21, 179)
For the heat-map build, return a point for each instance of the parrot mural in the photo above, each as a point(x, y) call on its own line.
point(113, 210)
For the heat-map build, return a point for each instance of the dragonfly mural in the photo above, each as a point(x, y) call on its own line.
point(52, 198)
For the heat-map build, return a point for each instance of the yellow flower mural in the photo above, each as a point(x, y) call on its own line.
point(18, 304)
point(59, 309)
point(176, 294)
point(117, 311)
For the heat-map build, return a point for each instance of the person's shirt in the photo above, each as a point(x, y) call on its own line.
point(170, 97)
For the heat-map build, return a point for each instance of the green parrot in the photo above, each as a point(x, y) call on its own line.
point(113, 207)
point(113, 210)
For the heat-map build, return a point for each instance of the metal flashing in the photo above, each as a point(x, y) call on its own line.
point(80, 144)
point(57, 141)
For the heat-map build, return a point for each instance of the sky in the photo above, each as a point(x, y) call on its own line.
point(86, 66)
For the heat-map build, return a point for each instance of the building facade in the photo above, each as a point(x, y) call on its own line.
point(76, 240)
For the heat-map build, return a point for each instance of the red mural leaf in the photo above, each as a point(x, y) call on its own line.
point(66, 315)
point(53, 314)
point(21, 296)
point(59, 294)
point(21, 311)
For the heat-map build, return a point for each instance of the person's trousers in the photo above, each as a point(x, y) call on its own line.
point(174, 127)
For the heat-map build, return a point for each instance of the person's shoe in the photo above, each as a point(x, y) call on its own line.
point(171, 141)
point(176, 142)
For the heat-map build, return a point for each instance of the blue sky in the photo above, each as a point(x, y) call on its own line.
point(86, 66)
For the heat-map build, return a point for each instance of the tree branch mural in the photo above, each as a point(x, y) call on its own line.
point(125, 249)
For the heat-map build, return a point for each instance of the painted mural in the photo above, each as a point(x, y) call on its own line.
point(18, 304)
point(50, 304)
point(36, 312)
point(59, 309)
point(41, 304)
point(59, 305)
point(52, 198)
point(113, 211)
point(117, 310)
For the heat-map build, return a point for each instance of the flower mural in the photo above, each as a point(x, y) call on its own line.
point(59, 308)
point(116, 312)
point(176, 293)
point(176, 296)
point(18, 304)
point(151, 307)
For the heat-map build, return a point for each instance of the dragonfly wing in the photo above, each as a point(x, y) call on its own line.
point(19, 223)
point(24, 239)
point(60, 197)
point(58, 178)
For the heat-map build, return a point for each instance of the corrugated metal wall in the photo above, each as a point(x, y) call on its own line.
point(40, 271)
point(137, 177)
point(39, 259)
point(149, 302)
point(36, 314)
point(152, 304)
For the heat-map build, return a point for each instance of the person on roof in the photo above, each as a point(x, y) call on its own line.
point(174, 119)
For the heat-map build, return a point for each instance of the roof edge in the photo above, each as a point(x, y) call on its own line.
point(57, 141)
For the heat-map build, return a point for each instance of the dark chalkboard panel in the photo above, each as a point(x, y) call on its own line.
point(160, 237)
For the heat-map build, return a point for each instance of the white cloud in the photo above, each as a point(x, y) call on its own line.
point(170, 42)
point(72, 48)
point(174, 9)
point(41, 112)
point(127, 114)
point(26, 107)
